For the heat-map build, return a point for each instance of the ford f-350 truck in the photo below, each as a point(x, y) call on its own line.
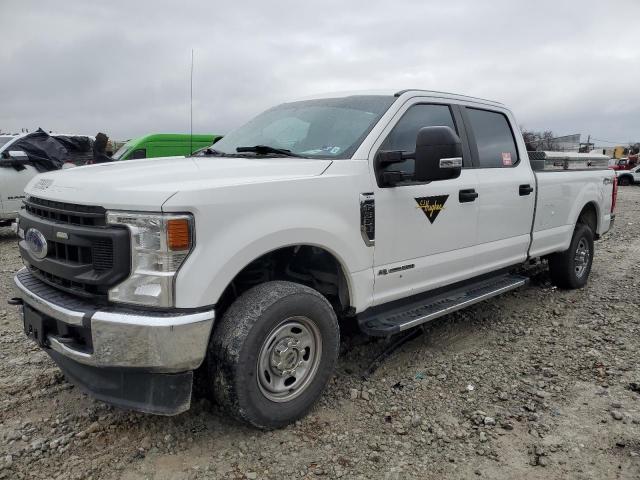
point(386, 209)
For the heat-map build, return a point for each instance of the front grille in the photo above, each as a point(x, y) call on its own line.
point(69, 253)
point(85, 257)
point(70, 286)
point(102, 253)
point(68, 213)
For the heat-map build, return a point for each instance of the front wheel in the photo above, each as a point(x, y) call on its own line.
point(571, 268)
point(273, 353)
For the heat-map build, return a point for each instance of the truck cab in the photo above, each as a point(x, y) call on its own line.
point(236, 265)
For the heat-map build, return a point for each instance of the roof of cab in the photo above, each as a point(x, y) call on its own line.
point(398, 93)
point(445, 94)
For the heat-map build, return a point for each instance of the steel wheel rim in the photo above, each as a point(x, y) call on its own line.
point(581, 258)
point(289, 358)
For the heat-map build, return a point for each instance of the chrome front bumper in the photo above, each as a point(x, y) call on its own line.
point(162, 342)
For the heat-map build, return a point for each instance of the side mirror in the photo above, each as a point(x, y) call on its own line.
point(17, 155)
point(438, 154)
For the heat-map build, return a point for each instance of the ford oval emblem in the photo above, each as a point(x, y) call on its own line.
point(36, 242)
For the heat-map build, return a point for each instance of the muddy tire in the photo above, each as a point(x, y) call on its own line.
point(570, 269)
point(272, 354)
point(624, 180)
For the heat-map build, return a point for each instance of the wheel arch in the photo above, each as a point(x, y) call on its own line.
point(589, 215)
point(311, 264)
point(626, 176)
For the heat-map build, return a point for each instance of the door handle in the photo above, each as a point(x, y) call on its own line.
point(468, 195)
point(525, 190)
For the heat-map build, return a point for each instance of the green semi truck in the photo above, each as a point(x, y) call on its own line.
point(164, 145)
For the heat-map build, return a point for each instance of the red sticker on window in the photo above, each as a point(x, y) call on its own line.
point(506, 158)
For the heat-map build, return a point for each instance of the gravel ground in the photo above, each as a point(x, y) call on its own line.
point(540, 383)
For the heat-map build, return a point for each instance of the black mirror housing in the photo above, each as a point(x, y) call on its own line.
point(438, 154)
point(386, 158)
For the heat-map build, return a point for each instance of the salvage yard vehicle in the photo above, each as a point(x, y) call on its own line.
point(625, 164)
point(164, 145)
point(24, 155)
point(629, 177)
point(234, 266)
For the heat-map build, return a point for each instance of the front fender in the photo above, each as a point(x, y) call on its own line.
point(217, 272)
point(223, 249)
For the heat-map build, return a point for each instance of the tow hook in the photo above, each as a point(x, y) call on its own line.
point(15, 301)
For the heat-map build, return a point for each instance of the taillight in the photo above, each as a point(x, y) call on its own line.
point(614, 193)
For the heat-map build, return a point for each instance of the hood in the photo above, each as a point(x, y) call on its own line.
point(147, 184)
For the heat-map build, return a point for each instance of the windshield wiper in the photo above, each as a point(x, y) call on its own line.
point(266, 149)
point(208, 151)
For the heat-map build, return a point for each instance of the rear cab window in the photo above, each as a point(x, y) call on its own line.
point(495, 143)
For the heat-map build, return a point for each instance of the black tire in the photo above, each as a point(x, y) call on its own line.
point(565, 267)
point(238, 383)
point(624, 180)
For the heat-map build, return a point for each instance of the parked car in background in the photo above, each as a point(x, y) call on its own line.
point(624, 164)
point(629, 177)
point(164, 145)
point(23, 156)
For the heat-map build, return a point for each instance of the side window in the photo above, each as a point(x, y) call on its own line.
point(494, 139)
point(403, 136)
point(138, 153)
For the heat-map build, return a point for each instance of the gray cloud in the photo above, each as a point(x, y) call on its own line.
point(123, 67)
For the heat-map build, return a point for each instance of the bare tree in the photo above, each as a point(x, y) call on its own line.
point(548, 142)
point(538, 140)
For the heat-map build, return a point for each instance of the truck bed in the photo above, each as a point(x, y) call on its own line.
point(559, 196)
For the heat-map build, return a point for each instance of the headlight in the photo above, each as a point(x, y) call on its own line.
point(159, 245)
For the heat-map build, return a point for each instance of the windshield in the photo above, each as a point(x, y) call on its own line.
point(323, 128)
point(5, 139)
point(121, 151)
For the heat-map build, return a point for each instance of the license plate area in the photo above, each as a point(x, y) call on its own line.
point(39, 327)
point(34, 325)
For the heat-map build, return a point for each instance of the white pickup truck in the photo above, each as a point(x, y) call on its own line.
point(386, 209)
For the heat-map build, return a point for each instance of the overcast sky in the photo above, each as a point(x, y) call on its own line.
point(123, 67)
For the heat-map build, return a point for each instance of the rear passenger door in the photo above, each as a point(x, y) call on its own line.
point(506, 196)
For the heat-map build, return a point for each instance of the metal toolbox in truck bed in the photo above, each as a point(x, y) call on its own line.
point(567, 160)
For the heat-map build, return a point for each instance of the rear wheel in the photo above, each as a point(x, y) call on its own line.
point(273, 353)
point(624, 180)
point(571, 268)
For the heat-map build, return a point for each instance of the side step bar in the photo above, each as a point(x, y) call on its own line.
point(417, 312)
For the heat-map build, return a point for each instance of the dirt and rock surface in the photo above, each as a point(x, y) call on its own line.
point(540, 383)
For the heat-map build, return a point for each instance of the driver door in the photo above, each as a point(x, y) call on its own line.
point(425, 232)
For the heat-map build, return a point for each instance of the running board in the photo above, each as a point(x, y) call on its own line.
point(409, 315)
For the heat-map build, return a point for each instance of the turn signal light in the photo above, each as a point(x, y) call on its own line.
point(178, 234)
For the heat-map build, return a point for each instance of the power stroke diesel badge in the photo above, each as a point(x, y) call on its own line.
point(36, 243)
point(432, 206)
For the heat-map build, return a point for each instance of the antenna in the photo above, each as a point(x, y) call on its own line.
point(191, 110)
